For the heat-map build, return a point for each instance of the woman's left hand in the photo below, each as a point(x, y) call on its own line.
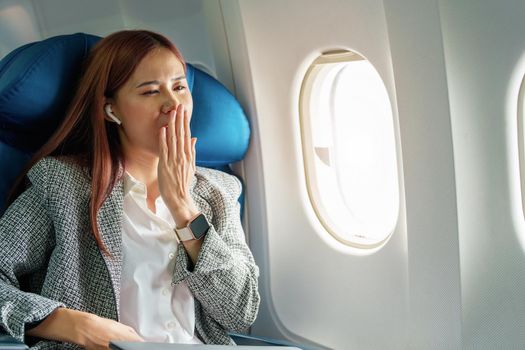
point(177, 166)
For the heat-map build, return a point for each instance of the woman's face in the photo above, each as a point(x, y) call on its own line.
point(156, 87)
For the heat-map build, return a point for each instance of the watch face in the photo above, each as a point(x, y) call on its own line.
point(199, 226)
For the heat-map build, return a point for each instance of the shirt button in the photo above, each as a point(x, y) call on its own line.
point(171, 256)
point(165, 291)
point(170, 325)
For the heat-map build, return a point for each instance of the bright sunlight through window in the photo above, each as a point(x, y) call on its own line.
point(349, 149)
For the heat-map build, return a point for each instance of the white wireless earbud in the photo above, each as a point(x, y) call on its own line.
point(110, 114)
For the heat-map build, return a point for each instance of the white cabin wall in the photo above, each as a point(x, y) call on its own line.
point(428, 161)
point(485, 54)
point(313, 289)
point(220, 48)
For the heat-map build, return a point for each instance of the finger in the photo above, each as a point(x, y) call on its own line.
point(187, 135)
point(180, 131)
point(137, 337)
point(133, 335)
point(172, 144)
point(163, 147)
point(194, 153)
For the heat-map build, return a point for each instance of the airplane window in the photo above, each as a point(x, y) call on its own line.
point(349, 149)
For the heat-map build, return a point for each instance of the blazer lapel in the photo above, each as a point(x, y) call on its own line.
point(110, 226)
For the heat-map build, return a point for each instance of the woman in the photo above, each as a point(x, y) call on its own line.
point(114, 233)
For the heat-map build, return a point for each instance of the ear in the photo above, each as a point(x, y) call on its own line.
point(108, 100)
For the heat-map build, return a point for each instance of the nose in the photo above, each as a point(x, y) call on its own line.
point(171, 103)
point(168, 107)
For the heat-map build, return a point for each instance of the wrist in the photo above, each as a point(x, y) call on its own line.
point(183, 215)
point(57, 326)
point(78, 322)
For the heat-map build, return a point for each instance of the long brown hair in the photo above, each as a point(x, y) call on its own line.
point(84, 135)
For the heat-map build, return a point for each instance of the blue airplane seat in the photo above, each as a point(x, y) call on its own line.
point(37, 81)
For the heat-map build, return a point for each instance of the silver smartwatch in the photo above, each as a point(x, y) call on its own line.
point(196, 229)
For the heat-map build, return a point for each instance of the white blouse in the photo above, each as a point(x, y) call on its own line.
point(149, 303)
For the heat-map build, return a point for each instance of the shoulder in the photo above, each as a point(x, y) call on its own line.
point(216, 182)
point(61, 172)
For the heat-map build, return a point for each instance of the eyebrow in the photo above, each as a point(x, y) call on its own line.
point(156, 82)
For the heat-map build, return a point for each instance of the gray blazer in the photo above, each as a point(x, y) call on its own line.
point(49, 258)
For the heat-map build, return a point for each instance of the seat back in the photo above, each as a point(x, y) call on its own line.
point(38, 80)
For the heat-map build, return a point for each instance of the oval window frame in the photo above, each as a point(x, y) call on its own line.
point(308, 149)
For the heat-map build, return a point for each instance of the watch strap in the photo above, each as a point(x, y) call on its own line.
point(184, 234)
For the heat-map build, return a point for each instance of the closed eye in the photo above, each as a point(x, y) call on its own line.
point(150, 92)
point(153, 92)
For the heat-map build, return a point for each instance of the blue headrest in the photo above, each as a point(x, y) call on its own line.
point(38, 80)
